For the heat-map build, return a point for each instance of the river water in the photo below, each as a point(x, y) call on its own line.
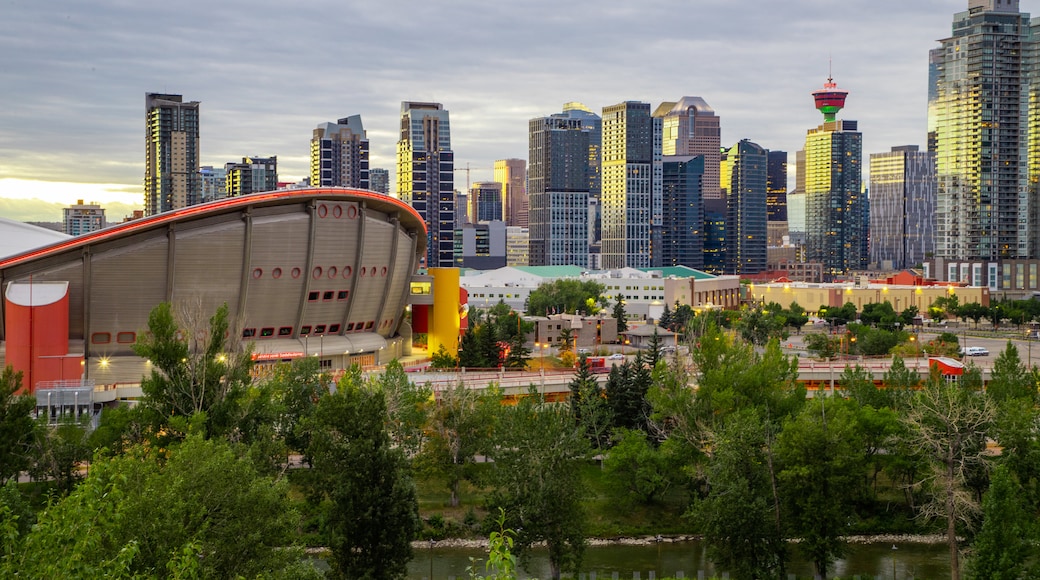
point(868, 561)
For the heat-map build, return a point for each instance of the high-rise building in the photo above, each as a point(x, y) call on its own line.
point(83, 218)
point(518, 244)
point(379, 180)
point(592, 123)
point(558, 191)
point(835, 215)
point(902, 207)
point(512, 174)
point(485, 198)
point(426, 176)
point(339, 154)
point(743, 172)
point(986, 127)
point(690, 127)
point(631, 199)
point(776, 198)
point(683, 232)
point(171, 174)
point(214, 183)
point(252, 175)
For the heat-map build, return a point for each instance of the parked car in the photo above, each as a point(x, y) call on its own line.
point(584, 350)
point(616, 356)
point(974, 351)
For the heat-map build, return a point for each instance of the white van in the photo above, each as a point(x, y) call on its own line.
point(974, 351)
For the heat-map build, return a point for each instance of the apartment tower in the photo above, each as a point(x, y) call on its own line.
point(171, 174)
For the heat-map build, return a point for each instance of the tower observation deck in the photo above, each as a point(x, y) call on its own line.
point(830, 99)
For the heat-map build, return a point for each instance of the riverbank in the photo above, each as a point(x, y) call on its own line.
point(676, 539)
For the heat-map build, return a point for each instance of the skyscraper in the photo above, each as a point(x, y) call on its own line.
point(512, 174)
point(252, 175)
point(426, 176)
point(743, 173)
point(690, 127)
point(379, 180)
point(486, 201)
point(558, 182)
point(776, 198)
point(983, 115)
point(835, 215)
point(171, 178)
point(631, 199)
point(339, 154)
point(683, 232)
point(902, 207)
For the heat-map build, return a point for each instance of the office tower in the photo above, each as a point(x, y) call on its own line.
point(83, 218)
point(902, 207)
point(171, 179)
point(743, 171)
point(690, 127)
point(630, 197)
point(835, 217)
point(592, 123)
point(518, 246)
point(426, 176)
point(683, 231)
point(252, 175)
point(379, 180)
point(485, 198)
point(558, 191)
point(462, 211)
point(483, 245)
point(339, 154)
point(984, 118)
point(214, 183)
point(715, 236)
point(776, 198)
point(512, 174)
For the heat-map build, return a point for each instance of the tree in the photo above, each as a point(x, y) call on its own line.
point(442, 359)
point(299, 385)
point(460, 425)
point(538, 481)
point(1005, 543)
point(635, 470)
point(973, 311)
point(626, 390)
point(16, 425)
point(519, 353)
point(58, 451)
point(1011, 379)
point(589, 405)
point(407, 407)
point(565, 296)
point(758, 326)
point(950, 424)
point(620, 315)
point(194, 507)
point(821, 476)
point(373, 514)
point(740, 515)
point(196, 367)
point(821, 345)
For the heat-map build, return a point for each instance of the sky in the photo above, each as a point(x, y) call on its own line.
point(73, 75)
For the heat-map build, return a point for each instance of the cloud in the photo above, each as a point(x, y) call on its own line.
point(266, 73)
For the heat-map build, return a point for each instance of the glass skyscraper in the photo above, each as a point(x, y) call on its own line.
point(426, 176)
point(743, 176)
point(983, 121)
point(683, 231)
point(630, 197)
point(902, 207)
point(558, 190)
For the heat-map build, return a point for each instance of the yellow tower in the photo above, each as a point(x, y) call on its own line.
point(444, 318)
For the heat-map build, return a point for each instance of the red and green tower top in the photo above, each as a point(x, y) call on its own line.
point(830, 99)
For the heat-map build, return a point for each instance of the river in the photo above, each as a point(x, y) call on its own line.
point(866, 560)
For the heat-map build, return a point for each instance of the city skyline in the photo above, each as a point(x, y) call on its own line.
point(74, 76)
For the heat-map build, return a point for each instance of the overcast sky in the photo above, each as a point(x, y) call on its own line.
point(73, 74)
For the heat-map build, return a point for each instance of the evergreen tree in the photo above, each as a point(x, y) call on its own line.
point(588, 405)
point(519, 353)
point(1004, 547)
point(1010, 379)
point(620, 315)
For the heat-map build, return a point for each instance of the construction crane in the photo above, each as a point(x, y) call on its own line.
point(467, 169)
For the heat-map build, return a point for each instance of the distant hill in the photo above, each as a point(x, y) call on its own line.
point(37, 210)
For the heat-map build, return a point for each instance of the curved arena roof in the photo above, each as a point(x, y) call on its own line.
point(291, 265)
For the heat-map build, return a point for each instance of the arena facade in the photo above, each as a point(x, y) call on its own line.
point(324, 272)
